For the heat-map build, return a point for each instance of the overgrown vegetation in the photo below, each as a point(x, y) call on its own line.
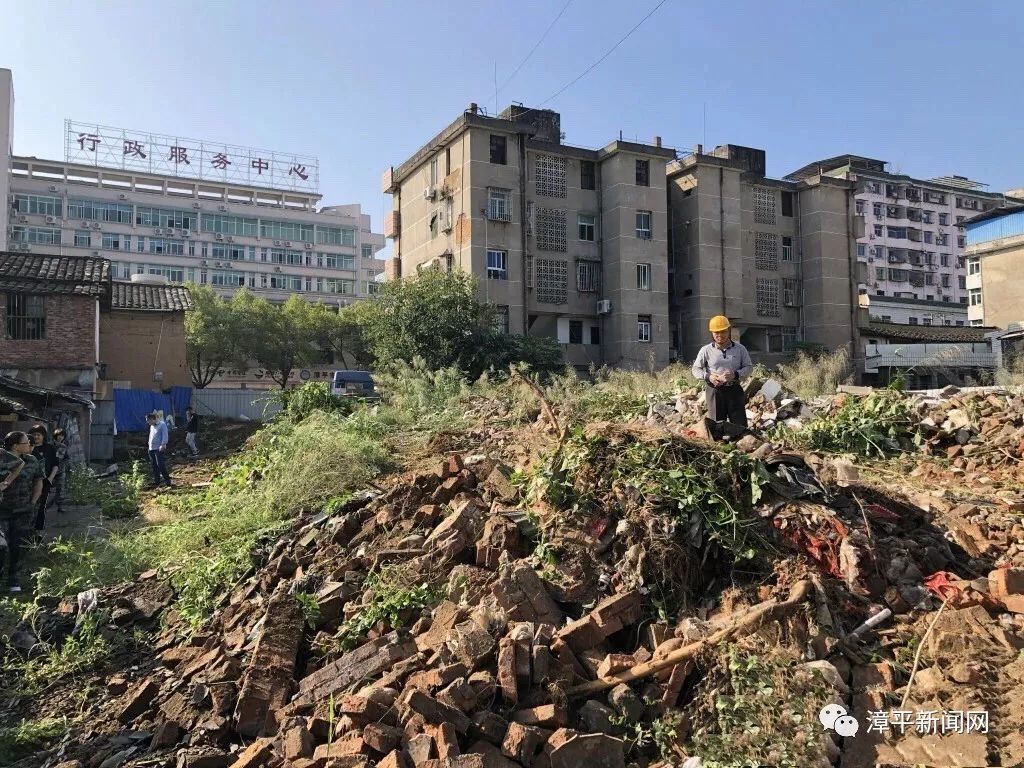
point(116, 497)
point(760, 708)
point(810, 375)
point(1012, 375)
point(300, 403)
point(392, 601)
point(876, 425)
point(27, 737)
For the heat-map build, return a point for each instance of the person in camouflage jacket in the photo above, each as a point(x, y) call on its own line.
point(17, 507)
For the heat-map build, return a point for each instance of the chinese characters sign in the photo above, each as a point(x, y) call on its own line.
point(132, 151)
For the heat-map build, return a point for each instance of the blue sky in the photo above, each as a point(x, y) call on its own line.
point(929, 86)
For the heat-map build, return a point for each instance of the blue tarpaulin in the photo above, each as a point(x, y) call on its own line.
point(181, 398)
point(132, 405)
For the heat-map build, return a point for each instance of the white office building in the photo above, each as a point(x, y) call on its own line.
point(187, 210)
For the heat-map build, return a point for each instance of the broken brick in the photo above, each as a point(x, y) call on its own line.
point(582, 634)
point(392, 760)
point(594, 751)
point(490, 726)
point(549, 716)
point(139, 701)
point(1006, 581)
point(298, 742)
point(420, 748)
point(507, 671)
point(256, 755)
point(446, 741)
point(471, 644)
point(523, 742)
point(165, 735)
point(382, 738)
point(435, 712)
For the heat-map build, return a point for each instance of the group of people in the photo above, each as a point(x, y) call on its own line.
point(33, 470)
point(159, 436)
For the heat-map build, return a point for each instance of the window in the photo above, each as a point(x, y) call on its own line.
point(944, 259)
point(588, 176)
point(112, 241)
point(291, 230)
point(230, 225)
point(551, 228)
point(862, 250)
point(499, 206)
point(497, 265)
point(912, 320)
point(767, 297)
point(498, 149)
point(42, 205)
point(249, 256)
point(575, 331)
point(99, 211)
point(327, 236)
point(175, 275)
point(899, 233)
point(643, 173)
point(947, 281)
point(961, 282)
point(790, 292)
point(165, 217)
point(501, 319)
point(588, 276)
point(551, 281)
point(550, 175)
point(787, 204)
point(435, 223)
point(860, 206)
point(789, 339)
point(142, 245)
point(587, 226)
point(433, 171)
point(26, 317)
point(943, 219)
point(878, 230)
point(961, 241)
point(643, 225)
point(879, 273)
point(41, 235)
point(367, 251)
point(643, 328)
point(928, 237)
point(973, 265)
point(83, 239)
point(974, 297)
point(170, 247)
point(766, 251)
point(926, 217)
point(643, 277)
point(878, 210)
point(942, 239)
point(959, 219)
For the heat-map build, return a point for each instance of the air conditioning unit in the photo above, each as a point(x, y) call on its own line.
point(604, 307)
point(122, 196)
point(222, 208)
point(186, 233)
point(204, 263)
point(309, 246)
point(277, 269)
point(287, 243)
point(53, 187)
point(230, 239)
point(95, 225)
point(219, 237)
point(85, 223)
point(429, 193)
point(95, 253)
point(216, 263)
point(277, 242)
point(51, 219)
point(195, 205)
point(157, 231)
point(23, 219)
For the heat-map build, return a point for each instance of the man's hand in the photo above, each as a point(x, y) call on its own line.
point(161, 448)
point(728, 376)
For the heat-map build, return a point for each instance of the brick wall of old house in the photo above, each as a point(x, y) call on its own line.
point(70, 336)
point(135, 344)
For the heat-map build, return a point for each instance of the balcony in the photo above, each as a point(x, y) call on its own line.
point(914, 214)
point(892, 190)
point(393, 225)
point(914, 234)
point(917, 279)
point(897, 257)
point(895, 212)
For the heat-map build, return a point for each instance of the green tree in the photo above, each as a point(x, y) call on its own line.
point(437, 317)
point(279, 338)
point(211, 335)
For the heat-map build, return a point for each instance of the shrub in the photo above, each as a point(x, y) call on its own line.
point(297, 404)
point(812, 375)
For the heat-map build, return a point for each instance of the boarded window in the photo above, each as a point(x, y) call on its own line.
point(551, 281)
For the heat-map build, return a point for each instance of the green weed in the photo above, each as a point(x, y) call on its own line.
point(27, 737)
point(309, 608)
point(391, 600)
point(874, 425)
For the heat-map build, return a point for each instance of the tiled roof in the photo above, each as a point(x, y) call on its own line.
point(17, 389)
point(928, 334)
point(50, 273)
point(154, 298)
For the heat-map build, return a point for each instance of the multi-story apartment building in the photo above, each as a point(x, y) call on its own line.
point(995, 268)
point(777, 257)
point(217, 215)
point(567, 242)
point(911, 255)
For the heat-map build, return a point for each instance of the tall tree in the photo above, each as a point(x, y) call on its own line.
point(211, 335)
point(279, 338)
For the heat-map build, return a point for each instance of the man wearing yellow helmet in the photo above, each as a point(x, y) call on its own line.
point(721, 365)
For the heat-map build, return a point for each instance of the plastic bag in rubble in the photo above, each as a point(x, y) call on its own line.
point(87, 602)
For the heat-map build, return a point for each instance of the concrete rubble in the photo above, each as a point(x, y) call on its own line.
point(491, 674)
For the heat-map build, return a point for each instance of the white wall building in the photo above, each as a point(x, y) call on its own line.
point(911, 258)
point(190, 211)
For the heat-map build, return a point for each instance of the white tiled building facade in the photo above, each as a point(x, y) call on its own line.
point(913, 268)
point(228, 234)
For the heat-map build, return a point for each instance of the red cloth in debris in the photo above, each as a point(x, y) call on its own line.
point(821, 546)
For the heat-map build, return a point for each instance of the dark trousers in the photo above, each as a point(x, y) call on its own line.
point(727, 403)
point(13, 531)
point(159, 465)
point(41, 508)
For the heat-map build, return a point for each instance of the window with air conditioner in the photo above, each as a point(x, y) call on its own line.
point(497, 265)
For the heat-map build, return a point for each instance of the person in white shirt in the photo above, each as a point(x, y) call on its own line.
point(157, 448)
point(721, 365)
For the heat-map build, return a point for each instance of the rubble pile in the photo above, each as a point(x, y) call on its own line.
point(470, 618)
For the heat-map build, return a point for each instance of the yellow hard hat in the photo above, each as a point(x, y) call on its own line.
point(719, 323)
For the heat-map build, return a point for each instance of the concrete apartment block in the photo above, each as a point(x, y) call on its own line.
point(566, 242)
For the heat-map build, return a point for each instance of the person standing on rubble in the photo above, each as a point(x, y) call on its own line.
point(721, 365)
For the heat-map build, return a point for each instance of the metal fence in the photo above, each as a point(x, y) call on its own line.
point(240, 404)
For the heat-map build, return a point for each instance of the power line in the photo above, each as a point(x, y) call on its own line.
point(608, 53)
point(532, 50)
